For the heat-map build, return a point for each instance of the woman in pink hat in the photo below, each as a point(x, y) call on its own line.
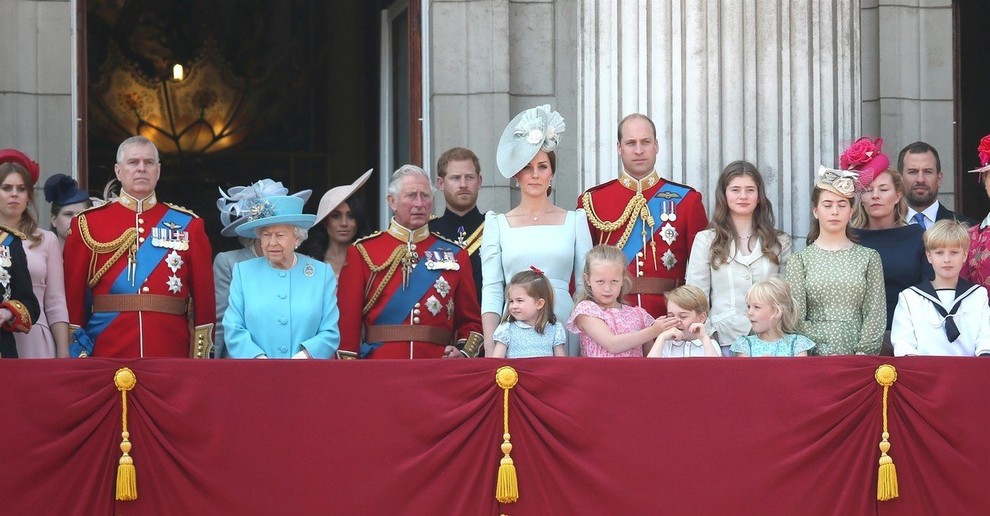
point(880, 223)
point(49, 335)
point(977, 265)
point(340, 220)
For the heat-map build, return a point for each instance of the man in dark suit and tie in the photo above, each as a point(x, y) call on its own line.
point(921, 168)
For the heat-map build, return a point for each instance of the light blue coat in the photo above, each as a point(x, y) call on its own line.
point(279, 312)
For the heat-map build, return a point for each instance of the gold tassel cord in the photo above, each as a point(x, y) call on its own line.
point(507, 486)
point(125, 380)
point(886, 375)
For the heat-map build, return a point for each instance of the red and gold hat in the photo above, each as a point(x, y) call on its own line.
point(983, 151)
point(16, 156)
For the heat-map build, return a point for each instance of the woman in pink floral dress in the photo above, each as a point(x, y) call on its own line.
point(977, 266)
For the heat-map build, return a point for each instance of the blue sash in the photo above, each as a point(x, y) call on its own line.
point(148, 257)
point(402, 300)
point(668, 192)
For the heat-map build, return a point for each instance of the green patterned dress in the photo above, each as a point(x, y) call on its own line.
point(841, 298)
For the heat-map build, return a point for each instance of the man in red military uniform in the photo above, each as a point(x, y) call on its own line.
point(406, 292)
point(652, 220)
point(138, 272)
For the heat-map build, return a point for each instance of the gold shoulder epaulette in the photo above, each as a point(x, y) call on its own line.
point(600, 186)
point(445, 239)
point(373, 235)
point(13, 231)
point(183, 209)
point(97, 207)
point(682, 185)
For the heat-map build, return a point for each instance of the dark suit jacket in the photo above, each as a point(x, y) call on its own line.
point(945, 213)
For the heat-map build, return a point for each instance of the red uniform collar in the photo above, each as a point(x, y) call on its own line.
point(134, 204)
point(639, 185)
point(408, 235)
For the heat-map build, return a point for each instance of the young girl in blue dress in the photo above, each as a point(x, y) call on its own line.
point(774, 316)
point(529, 327)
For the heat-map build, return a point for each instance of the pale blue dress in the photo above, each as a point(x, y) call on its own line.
point(523, 341)
point(787, 346)
point(557, 250)
point(278, 312)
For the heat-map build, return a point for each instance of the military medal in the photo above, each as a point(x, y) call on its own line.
point(5, 282)
point(174, 284)
point(174, 261)
point(449, 262)
point(433, 305)
point(668, 234)
point(663, 216)
point(309, 271)
point(461, 234)
point(442, 287)
point(5, 260)
point(669, 260)
point(408, 263)
point(673, 212)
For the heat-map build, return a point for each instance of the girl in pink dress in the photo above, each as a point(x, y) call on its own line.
point(607, 327)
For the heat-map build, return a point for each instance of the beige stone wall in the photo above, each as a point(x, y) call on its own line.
point(907, 78)
point(36, 84)
point(491, 59)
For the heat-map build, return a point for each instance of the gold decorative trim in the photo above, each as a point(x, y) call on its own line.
point(21, 322)
point(118, 246)
point(202, 341)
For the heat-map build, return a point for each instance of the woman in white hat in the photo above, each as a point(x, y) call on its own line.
point(536, 232)
point(281, 305)
point(340, 220)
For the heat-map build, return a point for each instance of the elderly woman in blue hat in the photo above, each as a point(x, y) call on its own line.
point(535, 232)
point(235, 205)
point(282, 304)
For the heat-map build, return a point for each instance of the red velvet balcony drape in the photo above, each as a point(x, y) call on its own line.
point(630, 436)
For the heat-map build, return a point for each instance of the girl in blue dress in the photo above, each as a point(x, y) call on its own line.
point(774, 316)
point(529, 327)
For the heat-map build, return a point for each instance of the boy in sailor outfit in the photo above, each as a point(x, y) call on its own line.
point(948, 315)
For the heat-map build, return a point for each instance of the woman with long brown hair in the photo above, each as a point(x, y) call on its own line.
point(49, 334)
point(742, 246)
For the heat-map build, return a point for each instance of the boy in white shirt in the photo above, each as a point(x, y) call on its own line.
point(948, 315)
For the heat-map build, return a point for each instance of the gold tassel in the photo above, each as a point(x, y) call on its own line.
point(886, 375)
point(507, 487)
point(126, 474)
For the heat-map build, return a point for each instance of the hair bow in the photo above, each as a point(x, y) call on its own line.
point(537, 271)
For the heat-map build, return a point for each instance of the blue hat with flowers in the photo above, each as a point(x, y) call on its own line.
point(271, 211)
point(531, 131)
point(236, 203)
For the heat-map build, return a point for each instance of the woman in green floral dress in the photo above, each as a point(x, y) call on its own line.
point(837, 283)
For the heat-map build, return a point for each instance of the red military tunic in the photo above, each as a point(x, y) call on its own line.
point(143, 322)
point(617, 204)
point(373, 274)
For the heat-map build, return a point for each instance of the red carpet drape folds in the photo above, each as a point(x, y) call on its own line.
point(628, 436)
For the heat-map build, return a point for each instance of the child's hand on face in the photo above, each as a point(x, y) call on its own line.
point(697, 330)
point(669, 334)
point(663, 323)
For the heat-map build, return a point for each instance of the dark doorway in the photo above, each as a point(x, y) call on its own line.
point(286, 90)
point(970, 20)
